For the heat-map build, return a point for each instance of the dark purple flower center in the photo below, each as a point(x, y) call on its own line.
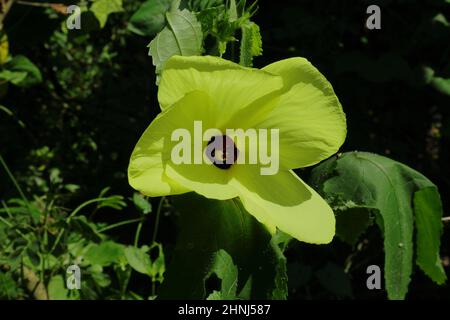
point(222, 151)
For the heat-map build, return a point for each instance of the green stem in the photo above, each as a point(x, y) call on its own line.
point(20, 233)
point(138, 233)
point(5, 222)
point(69, 218)
point(158, 213)
point(119, 224)
point(153, 287)
point(5, 10)
point(7, 210)
point(14, 181)
point(74, 212)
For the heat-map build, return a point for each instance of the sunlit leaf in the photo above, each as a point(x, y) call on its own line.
point(182, 36)
point(251, 43)
point(103, 8)
point(141, 203)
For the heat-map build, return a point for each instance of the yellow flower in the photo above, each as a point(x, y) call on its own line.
point(289, 95)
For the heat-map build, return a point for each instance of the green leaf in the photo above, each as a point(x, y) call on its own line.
point(351, 222)
point(21, 72)
point(103, 8)
point(226, 271)
point(442, 85)
point(150, 18)
point(159, 264)
point(8, 287)
point(141, 203)
point(182, 36)
point(102, 279)
point(208, 226)
point(251, 43)
point(232, 11)
point(428, 211)
point(57, 289)
point(105, 253)
point(139, 260)
point(382, 184)
point(14, 77)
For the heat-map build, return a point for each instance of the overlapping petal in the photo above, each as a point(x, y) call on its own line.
point(152, 154)
point(231, 86)
point(309, 116)
point(284, 201)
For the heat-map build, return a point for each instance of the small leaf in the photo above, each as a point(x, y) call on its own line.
point(141, 203)
point(105, 253)
point(14, 77)
point(251, 43)
point(100, 278)
point(139, 260)
point(57, 288)
point(232, 11)
point(22, 71)
point(182, 36)
point(71, 187)
point(150, 18)
point(226, 271)
point(442, 85)
point(428, 210)
point(159, 264)
point(103, 8)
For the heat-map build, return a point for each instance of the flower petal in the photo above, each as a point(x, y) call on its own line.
point(296, 70)
point(205, 179)
point(309, 116)
point(231, 86)
point(146, 171)
point(285, 201)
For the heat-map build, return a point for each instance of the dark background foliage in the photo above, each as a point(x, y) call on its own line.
point(98, 95)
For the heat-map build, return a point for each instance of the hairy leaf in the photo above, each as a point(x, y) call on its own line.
point(226, 271)
point(428, 211)
point(182, 36)
point(251, 43)
point(387, 186)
